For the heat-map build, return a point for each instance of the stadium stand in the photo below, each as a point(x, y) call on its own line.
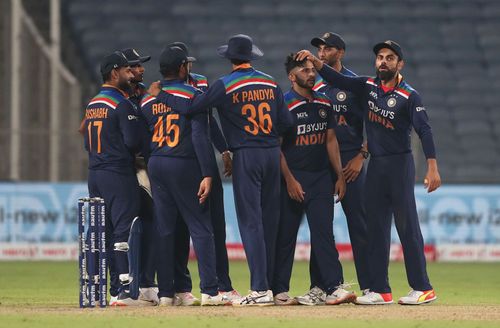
point(452, 50)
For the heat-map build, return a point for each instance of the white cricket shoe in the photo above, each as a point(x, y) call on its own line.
point(149, 296)
point(124, 299)
point(373, 298)
point(219, 299)
point(339, 296)
point(255, 298)
point(315, 296)
point(186, 299)
point(231, 295)
point(417, 297)
point(284, 299)
point(166, 301)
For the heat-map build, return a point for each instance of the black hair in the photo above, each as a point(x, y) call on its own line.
point(169, 72)
point(291, 63)
point(238, 62)
point(106, 76)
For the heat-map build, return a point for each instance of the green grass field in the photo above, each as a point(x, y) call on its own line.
point(45, 294)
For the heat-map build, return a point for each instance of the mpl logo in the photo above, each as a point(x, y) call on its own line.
point(373, 94)
point(302, 115)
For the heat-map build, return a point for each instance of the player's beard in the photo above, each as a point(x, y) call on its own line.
point(386, 75)
point(304, 83)
point(125, 85)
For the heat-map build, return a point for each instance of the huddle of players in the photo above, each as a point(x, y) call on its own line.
point(292, 153)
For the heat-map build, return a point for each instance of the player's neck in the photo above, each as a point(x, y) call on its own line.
point(306, 93)
point(337, 66)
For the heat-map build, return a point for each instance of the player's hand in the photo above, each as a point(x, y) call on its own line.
point(228, 164)
point(205, 187)
point(432, 180)
point(306, 54)
point(154, 89)
point(353, 168)
point(340, 187)
point(295, 190)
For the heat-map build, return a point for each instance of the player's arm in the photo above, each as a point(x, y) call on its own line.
point(285, 118)
point(420, 122)
point(129, 125)
point(353, 168)
point(81, 128)
point(202, 148)
point(221, 145)
point(355, 84)
point(332, 147)
point(199, 103)
point(294, 188)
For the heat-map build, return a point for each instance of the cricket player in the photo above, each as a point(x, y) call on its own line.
point(309, 150)
point(183, 283)
point(111, 136)
point(148, 288)
point(252, 112)
point(181, 175)
point(392, 107)
point(349, 130)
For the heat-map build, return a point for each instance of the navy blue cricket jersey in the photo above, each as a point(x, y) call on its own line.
point(389, 116)
point(348, 113)
point(304, 146)
point(201, 82)
point(111, 134)
point(250, 106)
point(174, 132)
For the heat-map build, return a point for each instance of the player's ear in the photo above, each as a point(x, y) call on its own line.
point(341, 54)
point(115, 75)
point(401, 64)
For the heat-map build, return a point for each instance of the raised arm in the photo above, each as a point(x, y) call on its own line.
point(355, 84)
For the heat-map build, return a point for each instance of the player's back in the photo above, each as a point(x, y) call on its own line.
point(171, 131)
point(252, 108)
point(110, 131)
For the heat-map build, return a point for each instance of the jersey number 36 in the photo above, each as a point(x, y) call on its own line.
point(259, 118)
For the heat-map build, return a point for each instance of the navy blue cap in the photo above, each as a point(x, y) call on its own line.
point(389, 44)
point(115, 60)
point(240, 47)
point(183, 46)
point(329, 39)
point(172, 58)
point(133, 55)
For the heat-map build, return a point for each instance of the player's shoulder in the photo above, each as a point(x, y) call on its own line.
point(201, 80)
point(405, 90)
point(292, 100)
point(347, 72)
point(107, 98)
point(181, 90)
point(243, 78)
point(319, 84)
point(147, 100)
point(321, 98)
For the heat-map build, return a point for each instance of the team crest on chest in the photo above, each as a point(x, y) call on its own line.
point(341, 96)
point(391, 102)
point(322, 113)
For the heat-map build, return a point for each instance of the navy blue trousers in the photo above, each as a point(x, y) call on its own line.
point(149, 239)
point(121, 196)
point(318, 206)
point(353, 205)
point(175, 183)
point(390, 184)
point(183, 281)
point(256, 186)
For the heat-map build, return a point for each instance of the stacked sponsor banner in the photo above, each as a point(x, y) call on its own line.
point(459, 223)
